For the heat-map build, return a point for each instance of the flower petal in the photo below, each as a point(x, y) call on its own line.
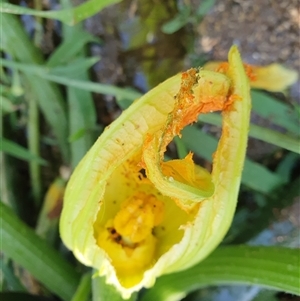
point(273, 77)
point(134, 227)
point(200, 92)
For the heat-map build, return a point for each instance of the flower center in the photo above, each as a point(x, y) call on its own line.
point(137, 217)
point(128, 238)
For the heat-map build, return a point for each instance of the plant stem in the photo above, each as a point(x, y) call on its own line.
point(33, 145)
point(38, 33)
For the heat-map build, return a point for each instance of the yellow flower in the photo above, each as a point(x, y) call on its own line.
point(134, 217)
point(274, 77)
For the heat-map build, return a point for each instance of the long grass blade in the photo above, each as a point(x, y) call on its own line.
point(84, 288)
point(70, 47)
point(33, 127)
point(81, 84)
point(271, 267)
point(68, 16)
point(8, 274)
point(18, 151)
point(82, 113)
point(22, 245)
point(276, 112)
point(47, 94)
point(273, 137)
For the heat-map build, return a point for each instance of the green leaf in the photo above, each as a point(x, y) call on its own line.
point(20, 152)
point(82, 116)
point(286, 165)
point(22, 245)
point(181, 148)
point(70, 47)
point(80, 84)
point(272, 267)
point(77, 135)
point(94, 87)
point(180, 20)
point(68, 16)
point(50, 102)
point(83, 291)
point(255, 221)
point(6, 106)
point(33, 142)
point(204, 7)
point(8, 274)
point(76, 67)
point(254, 174)
point(82, 113)
point(259, 178)
point(16, 88)
point(281, 140)
point(47, 95)
point(276, 112)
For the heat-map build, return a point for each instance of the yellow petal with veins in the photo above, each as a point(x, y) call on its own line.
point(134, 217)
point(273, 77)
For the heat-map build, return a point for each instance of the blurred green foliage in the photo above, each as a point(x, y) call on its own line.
point(50, 120)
